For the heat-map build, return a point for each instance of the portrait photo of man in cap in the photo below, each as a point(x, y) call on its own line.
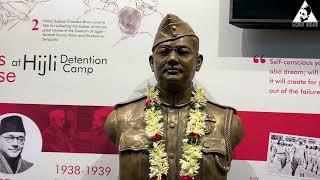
point(12, 141)
point(173, 131)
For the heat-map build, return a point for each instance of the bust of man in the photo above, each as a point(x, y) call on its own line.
point(175, 60)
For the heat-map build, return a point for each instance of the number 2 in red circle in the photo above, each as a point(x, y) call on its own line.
point(35, 27)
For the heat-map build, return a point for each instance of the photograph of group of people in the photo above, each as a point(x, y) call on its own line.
point(294, 156)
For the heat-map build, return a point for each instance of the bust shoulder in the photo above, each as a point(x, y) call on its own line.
point(219, 107)
point(131, 102)
point(125, 114)
point(219, 112)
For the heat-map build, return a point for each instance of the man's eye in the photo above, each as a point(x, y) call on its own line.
point(9, 139)
point(184, 51)
point(163, 51)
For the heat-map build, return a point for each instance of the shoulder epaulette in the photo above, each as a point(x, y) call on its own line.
point(129, 101)
point(223, 106)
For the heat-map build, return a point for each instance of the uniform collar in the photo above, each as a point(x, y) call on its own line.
point(175, 100)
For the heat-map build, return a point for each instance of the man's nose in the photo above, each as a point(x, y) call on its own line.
point(173, 58)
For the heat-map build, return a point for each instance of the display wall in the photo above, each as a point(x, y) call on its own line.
point(74, 60)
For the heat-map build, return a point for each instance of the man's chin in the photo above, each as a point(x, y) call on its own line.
point(13, 154)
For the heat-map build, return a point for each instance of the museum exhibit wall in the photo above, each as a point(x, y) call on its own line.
point(75, 60)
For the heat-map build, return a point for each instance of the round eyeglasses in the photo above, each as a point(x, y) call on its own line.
point(10, 139)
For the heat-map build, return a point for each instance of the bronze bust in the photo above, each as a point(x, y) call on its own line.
point(174, 61)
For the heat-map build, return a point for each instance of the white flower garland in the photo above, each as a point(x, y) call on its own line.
point(191, 148)
point(158, 159)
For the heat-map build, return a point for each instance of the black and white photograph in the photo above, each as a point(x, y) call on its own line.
point(20, 143)
point(294, 156)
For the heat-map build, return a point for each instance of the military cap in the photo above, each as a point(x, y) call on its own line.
point(11, 124)
point(172, 28)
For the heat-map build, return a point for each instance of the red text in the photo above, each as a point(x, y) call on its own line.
point(2, 60)
point(7, 77)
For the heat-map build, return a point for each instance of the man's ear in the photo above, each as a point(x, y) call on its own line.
point(151, 62)
point(199, 62)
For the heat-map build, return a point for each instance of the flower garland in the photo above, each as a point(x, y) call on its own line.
point(191, 148)
point(158, 159)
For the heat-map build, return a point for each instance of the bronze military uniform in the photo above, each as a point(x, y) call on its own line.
point(126, 126)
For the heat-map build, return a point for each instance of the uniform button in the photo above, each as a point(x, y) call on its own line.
point(172, 124)
point(171, 110)
point(206, 144)
point(174, 28)
point(171, 155)
point(137, 144)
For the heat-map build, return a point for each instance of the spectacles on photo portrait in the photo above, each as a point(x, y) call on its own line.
point(10, 139)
